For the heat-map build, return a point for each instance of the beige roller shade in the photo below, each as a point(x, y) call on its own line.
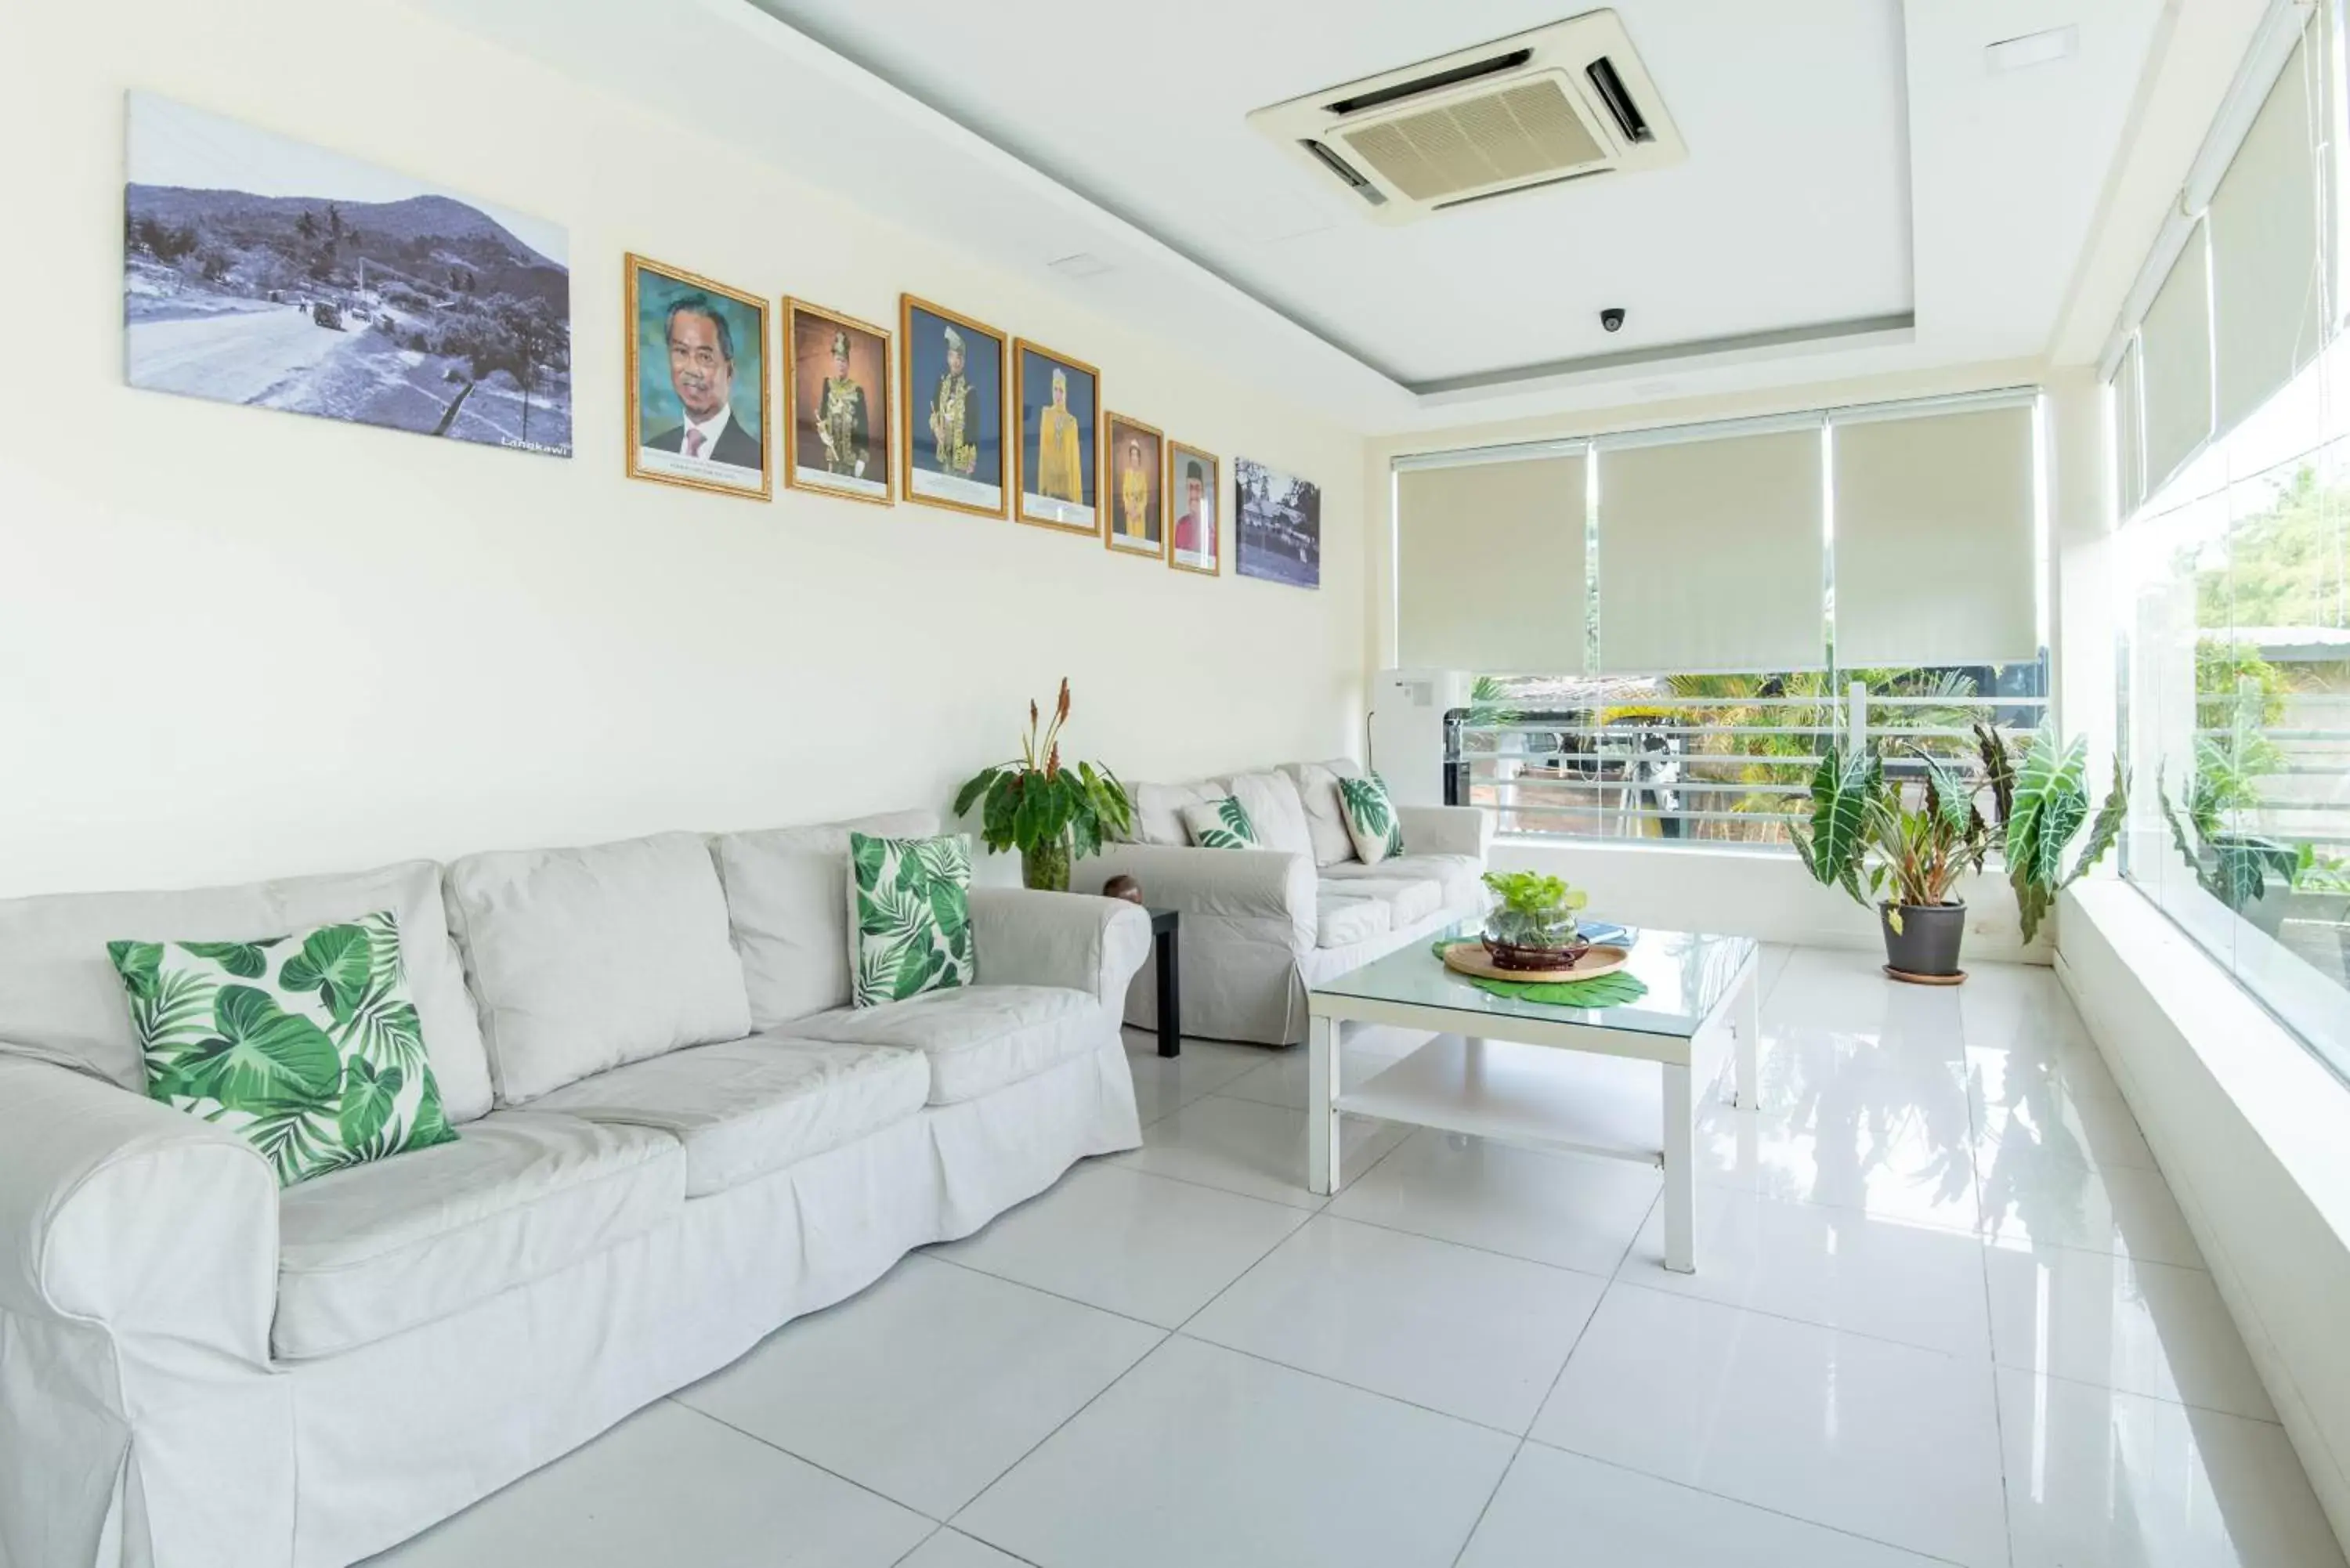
point(2175, 365)
point(1934, 546)
point(2266, 262)
point(1488, 567)
point(2129, 435)
point(1709, 555)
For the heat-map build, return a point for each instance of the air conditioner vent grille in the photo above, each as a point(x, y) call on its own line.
point(1524, 133)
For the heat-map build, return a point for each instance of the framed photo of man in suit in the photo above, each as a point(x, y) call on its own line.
point(1059, 465)
point(838, 440)
point(697, 382)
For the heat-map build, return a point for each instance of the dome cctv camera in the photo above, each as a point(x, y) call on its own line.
point(1612, 318)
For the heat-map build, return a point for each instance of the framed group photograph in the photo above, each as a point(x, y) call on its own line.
point(951, 409)
point(1278, 533)
point(837, 441)
point(1058, 463)
point(697, 381)
point(1192, 484)
point(1137, 497)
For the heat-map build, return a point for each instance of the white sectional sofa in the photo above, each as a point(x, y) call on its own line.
point(1261, 925)
point(673, 1136)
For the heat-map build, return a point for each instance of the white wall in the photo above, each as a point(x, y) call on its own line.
point(235, 642)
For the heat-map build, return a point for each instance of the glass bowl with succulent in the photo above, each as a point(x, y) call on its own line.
point(1534, 926)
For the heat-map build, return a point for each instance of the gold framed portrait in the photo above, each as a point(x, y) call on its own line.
point(1135, 489)
point(697, 386)
point(951, 406)
point(837, 379)
point(1058, 457)
point(1194, 540)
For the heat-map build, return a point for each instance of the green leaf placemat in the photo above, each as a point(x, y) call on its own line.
point(1617, 989)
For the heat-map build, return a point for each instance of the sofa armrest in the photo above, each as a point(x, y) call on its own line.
point(118, 1210)
point(1240, 884)
point(1446, 830)
point(1089, 944)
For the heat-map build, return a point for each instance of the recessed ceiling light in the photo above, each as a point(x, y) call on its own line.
point(1085, 263)
point(2032, 50)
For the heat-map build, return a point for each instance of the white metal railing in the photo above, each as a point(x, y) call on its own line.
point(1697, 768)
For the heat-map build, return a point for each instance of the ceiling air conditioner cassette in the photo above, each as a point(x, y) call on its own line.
point(1566, 102)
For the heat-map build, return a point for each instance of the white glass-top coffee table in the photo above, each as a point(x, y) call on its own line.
point(1611, 1081)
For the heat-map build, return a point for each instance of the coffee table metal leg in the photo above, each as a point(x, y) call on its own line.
point(1322, 1112)
point(1680, 1184)
point(1171, 996)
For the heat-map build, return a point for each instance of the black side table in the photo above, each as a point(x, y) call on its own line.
point(1170, 993)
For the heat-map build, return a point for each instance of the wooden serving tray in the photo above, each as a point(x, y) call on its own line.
point(1471, 958)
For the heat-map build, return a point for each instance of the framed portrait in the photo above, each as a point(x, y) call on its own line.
point(842, 414)
point(278, 273)
point(1277, 533)
point(1193, 481)
point(1060, 461)
point(951, 409)
point(697, 382)
point(1138, 489)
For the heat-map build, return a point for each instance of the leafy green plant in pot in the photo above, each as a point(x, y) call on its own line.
point(1054, 813)
point(1903, 846)
point(1534, 926)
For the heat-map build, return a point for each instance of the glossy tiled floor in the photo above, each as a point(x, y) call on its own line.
point(1947, 1312)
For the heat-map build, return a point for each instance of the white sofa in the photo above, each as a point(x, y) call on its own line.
point(673, 1136)
point(1260, 924)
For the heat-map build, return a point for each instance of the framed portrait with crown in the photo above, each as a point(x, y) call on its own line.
point(952, 407)
point(837, 439)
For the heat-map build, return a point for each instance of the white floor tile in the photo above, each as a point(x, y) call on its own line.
point(1897, 1153)
point(1250, 1148)
point(1201, 1456)
point(928, 1385)
point(2098, 1128)
point(1835, 1267)
point(2033, 1198)
point(669, 1485)
point(1163, 1083)
point(1558, 1508)
point(1129, 1241)
point(1457, 1330)
point(1861, 1435)
point(952, 1549)
point(1577, 1212)
point(2141, 1327)
point(2097, 1478)
point(1283, 1081)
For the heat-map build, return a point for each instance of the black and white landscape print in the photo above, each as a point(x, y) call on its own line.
point(257, 269)
point(1280, 525)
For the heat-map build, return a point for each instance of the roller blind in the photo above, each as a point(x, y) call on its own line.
point(2265, 259)
point(2175, 365)
point(1934, 546)
point(1489, 566)
point(1710, 555)
point(2129, 433)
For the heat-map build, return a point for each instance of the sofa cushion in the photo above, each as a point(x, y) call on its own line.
point(60, 1000)
point(1460, 876)
point(1326, 816)
point(787, 902)
point(366, 1253)
point(1371, 820)
point(1409, 899)
point(1221, 824)
point(978, 1038)
point(1341, 921)
point(745, 1107)
point(911, 909)
point(1158, 812)
point(1272, 805)
point(584, 958)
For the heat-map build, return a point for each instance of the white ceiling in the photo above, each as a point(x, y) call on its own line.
point(1862, 193)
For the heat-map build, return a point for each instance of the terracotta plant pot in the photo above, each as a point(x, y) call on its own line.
point(1927, 942)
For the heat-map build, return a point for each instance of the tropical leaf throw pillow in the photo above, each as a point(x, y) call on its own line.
point(308, 1046)
point(1371, 819)
point(909, 917)
point(1220, 825)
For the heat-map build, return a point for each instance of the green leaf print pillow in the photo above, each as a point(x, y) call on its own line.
point(909, 917)
point(1221, 824)
point(1370, 819)
point(308, 1046)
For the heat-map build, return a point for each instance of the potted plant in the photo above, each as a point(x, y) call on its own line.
point(1534, 926)
point(1054, 813)
point(1903, 845)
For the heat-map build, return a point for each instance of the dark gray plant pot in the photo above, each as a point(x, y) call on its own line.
point(1928, 942)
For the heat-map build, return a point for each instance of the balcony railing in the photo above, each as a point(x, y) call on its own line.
point(1709, 769)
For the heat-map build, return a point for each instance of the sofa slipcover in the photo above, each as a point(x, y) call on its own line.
point(1271, 800)
point(1341, 920)
point(1325, 814)
point(787, 904)
point(365, 1252)
point(978, 1038)
point(1458, 879)
point(584, 958)
point(745, 1107)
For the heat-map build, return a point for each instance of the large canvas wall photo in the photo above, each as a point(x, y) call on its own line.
point(1280, 525)
point(262, 270)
